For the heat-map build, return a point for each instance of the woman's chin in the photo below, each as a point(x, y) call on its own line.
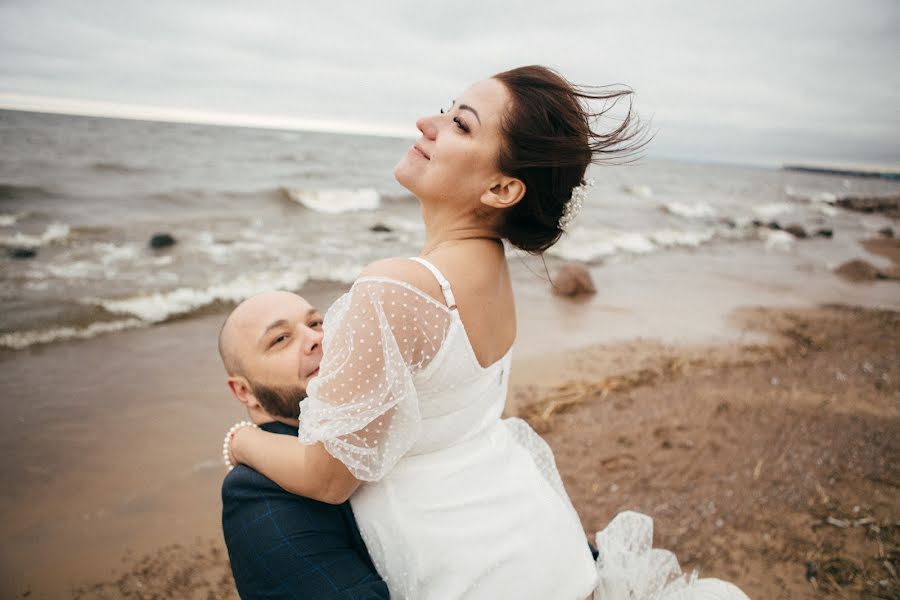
point(403, 175)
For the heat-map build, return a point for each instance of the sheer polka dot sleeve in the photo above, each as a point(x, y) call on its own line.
point(363, 405)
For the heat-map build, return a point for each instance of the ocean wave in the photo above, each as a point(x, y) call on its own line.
point(162, 306)
point(587, 245)
point(771, 210)
point(55, 232)
point(8, 220)
point(641, 191)
point(335, 201)
point(816, 197)
point(696, 210)
point(780, 241)
point(19, 340)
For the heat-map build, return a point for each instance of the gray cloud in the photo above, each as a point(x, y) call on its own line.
point(761, 82)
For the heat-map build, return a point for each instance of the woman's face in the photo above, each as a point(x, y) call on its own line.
point(455, 160)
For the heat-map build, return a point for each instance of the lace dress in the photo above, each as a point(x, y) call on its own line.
point(455, 501)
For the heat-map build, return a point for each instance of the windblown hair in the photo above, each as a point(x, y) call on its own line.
point(548, 143)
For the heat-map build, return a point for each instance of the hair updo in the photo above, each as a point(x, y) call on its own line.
point(548, 143)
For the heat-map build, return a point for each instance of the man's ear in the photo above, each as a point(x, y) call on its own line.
point(504, 193)
point(240, 387)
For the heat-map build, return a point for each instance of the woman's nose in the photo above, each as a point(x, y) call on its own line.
point(427, 126)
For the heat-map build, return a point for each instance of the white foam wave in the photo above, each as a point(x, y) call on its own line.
point(781, 241)
point(336, 201)
point(8, 220)
point(19, 340)
point(224, 251)
point(54, 233)
point(641, 191)
point(585, 244)
point(696, 210)
point(809, 196)
point(768, 211)
point(113, 253)
point(160, 306)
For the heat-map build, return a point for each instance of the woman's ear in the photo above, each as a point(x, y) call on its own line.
point(504, 194)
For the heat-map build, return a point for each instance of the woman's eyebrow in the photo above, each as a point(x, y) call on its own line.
point(473, 111)
point(469, 108)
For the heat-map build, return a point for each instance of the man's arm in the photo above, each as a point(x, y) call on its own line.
point(283, 546)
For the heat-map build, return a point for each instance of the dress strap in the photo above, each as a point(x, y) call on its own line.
point(445, 285)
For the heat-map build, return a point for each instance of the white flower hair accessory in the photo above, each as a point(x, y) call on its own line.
point(573, 206)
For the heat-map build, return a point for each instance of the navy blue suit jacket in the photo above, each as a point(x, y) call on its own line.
point(283, 546)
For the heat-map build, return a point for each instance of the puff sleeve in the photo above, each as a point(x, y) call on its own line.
point(363, 406)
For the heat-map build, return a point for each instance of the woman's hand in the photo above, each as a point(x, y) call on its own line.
point(239, 441)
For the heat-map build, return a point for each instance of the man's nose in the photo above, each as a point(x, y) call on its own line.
point(312, 340)
point(427, 126)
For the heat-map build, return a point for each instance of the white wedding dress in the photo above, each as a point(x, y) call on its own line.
point(457, 502)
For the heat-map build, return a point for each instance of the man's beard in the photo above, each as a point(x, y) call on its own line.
point(281, 402)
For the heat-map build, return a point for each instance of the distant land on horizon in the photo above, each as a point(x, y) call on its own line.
point(847, 170)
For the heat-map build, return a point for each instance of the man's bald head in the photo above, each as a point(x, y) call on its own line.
point(270, 346)
point(249, 317)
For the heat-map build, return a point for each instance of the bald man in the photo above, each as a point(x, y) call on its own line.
point(280, 545)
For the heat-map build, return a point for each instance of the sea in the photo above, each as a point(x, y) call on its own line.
point(81, 199)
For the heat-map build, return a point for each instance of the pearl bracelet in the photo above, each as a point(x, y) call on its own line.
point(227, 443)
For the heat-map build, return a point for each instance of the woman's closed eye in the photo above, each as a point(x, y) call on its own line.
point(278, 339)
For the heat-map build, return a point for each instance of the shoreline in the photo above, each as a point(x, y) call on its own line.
point(133, 421)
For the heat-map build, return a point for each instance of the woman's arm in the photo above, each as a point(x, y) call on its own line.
point(308, 471)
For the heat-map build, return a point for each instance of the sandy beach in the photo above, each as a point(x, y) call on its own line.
point(755, 418)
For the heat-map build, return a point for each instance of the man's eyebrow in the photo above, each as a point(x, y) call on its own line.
point(312, 311)
point(274, 325)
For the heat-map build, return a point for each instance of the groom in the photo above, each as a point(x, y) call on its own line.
point(280, 545)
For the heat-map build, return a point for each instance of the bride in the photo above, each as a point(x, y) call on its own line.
point(405, 416)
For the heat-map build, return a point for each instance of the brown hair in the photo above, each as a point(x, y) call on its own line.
point(548, 143)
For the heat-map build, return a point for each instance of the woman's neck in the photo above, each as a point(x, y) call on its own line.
point(442, 229)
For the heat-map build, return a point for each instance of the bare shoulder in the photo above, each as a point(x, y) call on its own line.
point(406, 271)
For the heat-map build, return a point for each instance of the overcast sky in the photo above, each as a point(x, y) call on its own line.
point(759, 82)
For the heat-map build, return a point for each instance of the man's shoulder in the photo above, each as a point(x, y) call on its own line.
point(242, 482)
point(245, 487)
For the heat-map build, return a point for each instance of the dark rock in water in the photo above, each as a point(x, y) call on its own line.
point(573, 280)
point(886, 232)
point(380, 228)
point(888, 205)
point(774, 225)
point(859, 270)
point(22, 252)
point(825, 233)
point(797, 231)
point(161, 240)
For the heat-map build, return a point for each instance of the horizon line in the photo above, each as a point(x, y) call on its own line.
point(165, 114)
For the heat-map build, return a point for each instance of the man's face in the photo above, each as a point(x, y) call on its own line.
point(277, 339)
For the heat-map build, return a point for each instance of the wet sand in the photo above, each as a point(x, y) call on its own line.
point(111, 445)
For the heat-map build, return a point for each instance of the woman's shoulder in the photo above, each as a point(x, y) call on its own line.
point(405, 272)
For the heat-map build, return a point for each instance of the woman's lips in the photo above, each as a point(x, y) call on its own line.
point(420, 152)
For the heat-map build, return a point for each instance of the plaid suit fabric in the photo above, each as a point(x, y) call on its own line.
point(287, 547)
